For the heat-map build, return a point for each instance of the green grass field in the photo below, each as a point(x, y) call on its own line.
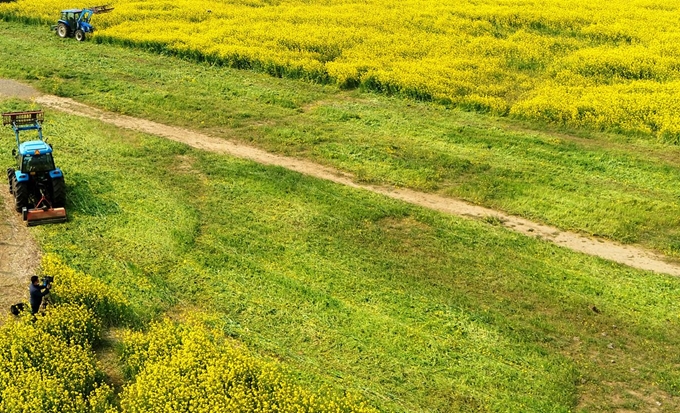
point(625, 188)
point(414, 310)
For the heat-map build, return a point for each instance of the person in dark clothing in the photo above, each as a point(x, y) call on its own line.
point(37, 293)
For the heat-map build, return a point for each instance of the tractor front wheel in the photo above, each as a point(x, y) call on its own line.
point(58, 193)
point(80, 35)
point(62, 30)
point(20, 195)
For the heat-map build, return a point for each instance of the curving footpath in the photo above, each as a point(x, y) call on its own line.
point(628, 255)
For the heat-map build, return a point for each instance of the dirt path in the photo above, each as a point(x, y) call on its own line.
point(628, 255)
point(19, 255)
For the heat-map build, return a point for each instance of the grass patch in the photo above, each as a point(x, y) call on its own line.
point(614, 186)
point(414, 310)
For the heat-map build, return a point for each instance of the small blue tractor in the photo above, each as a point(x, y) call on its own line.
point(76, 22)
point(36, 183)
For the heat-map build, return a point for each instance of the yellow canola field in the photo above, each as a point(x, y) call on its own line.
point(607, 64)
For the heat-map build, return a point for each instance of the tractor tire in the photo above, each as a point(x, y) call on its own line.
point(63, 31)
point(80, 35)
point(20, 195)
point(58, 193)
point(10, 177)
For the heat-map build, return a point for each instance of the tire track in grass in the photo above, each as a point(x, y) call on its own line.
point(632, 256)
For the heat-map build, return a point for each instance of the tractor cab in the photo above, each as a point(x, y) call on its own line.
point(77, 20)
point(70, 16)
point(35, 158)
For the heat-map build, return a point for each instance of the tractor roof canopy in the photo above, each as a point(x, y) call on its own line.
point(34, 148)
point(72, 11)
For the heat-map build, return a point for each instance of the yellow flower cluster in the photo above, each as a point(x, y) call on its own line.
point(73, 323)
point(41, 371)
point(85, 291)
point(603, 64)
point(192, 368)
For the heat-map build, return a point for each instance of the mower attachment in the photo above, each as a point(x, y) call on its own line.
point(43, 213)
point(40, 216)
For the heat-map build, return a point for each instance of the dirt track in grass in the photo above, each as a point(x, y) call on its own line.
point(625, 254)
point(19, 255)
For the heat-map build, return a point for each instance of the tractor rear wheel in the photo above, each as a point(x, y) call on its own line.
point(20, 195)
point(58, 193)
point(10, 176)
point(62, 30)
point(80, 35)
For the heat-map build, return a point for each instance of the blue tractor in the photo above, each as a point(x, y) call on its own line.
point(76, 22)
point(36, 183)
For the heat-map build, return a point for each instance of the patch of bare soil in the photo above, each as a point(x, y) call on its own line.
point(621, 399)
point(14, 89)
point(629, 255)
